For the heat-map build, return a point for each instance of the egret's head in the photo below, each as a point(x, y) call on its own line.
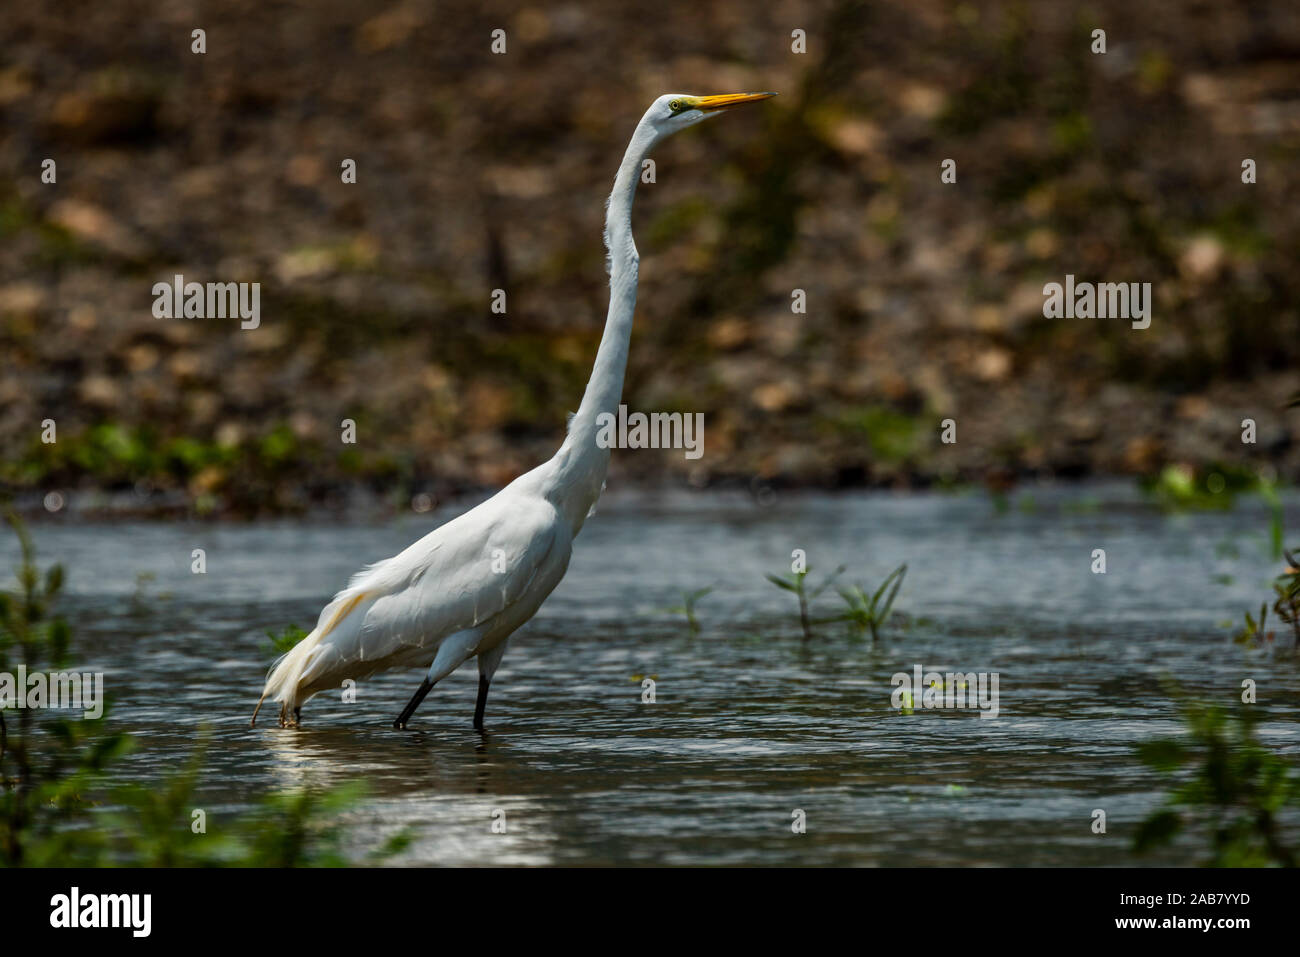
point(676, 111)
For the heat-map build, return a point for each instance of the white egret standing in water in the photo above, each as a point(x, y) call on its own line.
point(463, 589)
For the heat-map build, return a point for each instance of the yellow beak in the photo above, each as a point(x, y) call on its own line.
point(725, 101)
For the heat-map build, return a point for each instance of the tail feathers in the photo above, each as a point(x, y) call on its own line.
point(285, 682)
point(282, 683)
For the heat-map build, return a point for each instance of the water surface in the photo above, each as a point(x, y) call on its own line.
point(749, 722)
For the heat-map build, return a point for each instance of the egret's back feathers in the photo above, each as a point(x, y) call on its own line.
point(487, 571)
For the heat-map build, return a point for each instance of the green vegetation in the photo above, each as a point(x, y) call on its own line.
point(1287, 588)
point(54, 793)
point(1286, 605)
point(870, 612)
point(285, 829)
point(1214, 486)
point(283, 641)
point(864, 612)
point(687, 607)
point(42, 777)
point(1179, 488)
point(114, 454)
point(1254, 631)
point(796, 584)
point(1228, 785)
point(892, 435)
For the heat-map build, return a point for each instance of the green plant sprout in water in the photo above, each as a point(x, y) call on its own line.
point(1253, 631)
point(868, 613)
point(796, 583)
point(687, 607)
point(1235, 790)
point(1286, 605)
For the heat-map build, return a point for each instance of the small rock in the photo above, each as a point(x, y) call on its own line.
point(1203, 258)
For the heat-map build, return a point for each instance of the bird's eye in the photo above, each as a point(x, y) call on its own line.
point(675, 105)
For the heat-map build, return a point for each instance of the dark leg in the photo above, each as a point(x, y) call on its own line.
point(425, 687)
point(483, 684)
point(297, 717)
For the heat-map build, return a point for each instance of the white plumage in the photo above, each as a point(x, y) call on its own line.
point(463, 589)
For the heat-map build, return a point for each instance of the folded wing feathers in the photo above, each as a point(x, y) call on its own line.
point(397, 608)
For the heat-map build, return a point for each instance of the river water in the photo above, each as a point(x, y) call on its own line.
point(750, 723)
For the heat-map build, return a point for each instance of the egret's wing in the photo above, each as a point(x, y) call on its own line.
point(458, 577)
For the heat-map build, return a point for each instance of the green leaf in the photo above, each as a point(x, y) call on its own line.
point(897, 576)
point(1164, 755)
point(826, 584)
point(1157, 830)
point(285, 640)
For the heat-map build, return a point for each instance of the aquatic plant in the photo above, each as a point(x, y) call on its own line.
point(687, 607)
point(1234, 792)
point(42, 776)
point(796, 584)
point(53, 777)
point(295, 828)
point(144, 600)
point(1286, 605)
point(283, 641)
point(868, 613)
point(1253, 631)
point(1287, 588)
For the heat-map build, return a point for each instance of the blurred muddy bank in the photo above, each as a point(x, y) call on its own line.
point(475, 172)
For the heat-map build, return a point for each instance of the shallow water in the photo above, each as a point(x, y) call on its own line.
point(749, 722)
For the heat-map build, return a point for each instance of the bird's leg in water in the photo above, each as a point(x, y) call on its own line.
point(483, 684)
point(297, 717)
point(425, 687)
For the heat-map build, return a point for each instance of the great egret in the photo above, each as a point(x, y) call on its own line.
point(464, 588)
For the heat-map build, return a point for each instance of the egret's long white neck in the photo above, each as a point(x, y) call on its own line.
point(580, 465)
